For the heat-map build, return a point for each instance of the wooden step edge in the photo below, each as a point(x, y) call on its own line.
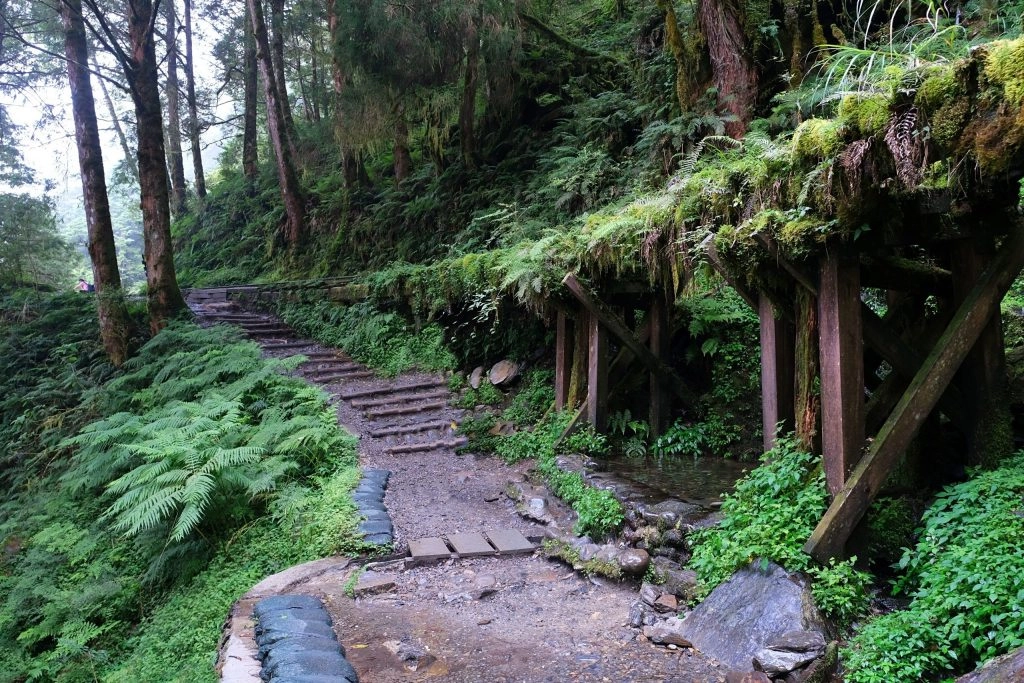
point(404, 410)
point(362, 374)
point(409, 429)
point(375, 402)
point(362, 393)
point(426, 446)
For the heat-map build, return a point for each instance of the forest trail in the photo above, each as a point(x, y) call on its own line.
point(516, 618)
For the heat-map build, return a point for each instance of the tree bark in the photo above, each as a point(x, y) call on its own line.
point(113, 315)
point(808, 402)
point(174, 158)
point(277, 57)
point(250, 160)
point(467, 110)
point(674, 38)
point(163, 295)
point(291, 191)
point(721, 22)
point(193, 107)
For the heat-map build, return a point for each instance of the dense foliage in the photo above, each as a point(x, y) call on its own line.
point(141, 503)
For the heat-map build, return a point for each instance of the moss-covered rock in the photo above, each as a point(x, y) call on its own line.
point(1004, 68)
point(817, 139)
point(865, 113)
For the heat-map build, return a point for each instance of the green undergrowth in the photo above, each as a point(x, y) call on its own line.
point(768, 517)
point(965, 578)
point(141, 502)
point(383, 340)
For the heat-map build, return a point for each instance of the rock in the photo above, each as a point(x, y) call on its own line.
point(650, 593)
point(476, 376)
point(634, 561)
point(412, 656)
point(748, 612)
point(503, 372)
point(669, 513)
point(1009, 667)
point(667, 632)
point(588, 551)
point(372, 583)
point(484, 585)
point(672, 538)
point(607, 553)
point(636, 614)
point(799, 641)
point(778, 662)
point(492, 497)
point(750, 677)
point(681, 583)
point(666, 603)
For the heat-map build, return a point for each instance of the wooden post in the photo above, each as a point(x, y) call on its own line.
point(578, 375)
point(841, 348)
point(848, 506)
point(659, 409)
point(777, 406)
point(982, 379)
point(563, 359)
point(597, 375)
point(807, 403)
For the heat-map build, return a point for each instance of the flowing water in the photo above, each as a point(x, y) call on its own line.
point(701, 480)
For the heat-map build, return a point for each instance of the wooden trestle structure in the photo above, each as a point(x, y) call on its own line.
point(856, 385)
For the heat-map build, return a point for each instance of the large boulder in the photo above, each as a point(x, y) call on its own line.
point(754, 611)
point(1009, 667)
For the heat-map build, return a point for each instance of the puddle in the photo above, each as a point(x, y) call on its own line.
point(693, 479)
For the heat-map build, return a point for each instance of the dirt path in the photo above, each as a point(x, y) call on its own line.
point(516, 618)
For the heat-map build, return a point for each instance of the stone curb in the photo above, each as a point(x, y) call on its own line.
point(296, 641)
point(376, 526)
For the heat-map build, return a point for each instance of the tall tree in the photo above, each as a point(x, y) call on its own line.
point(138, 62)
point(250, 160)
point(115, 122)
point(277, 58)
point(734, 73)
point(113, 315)
point(291, 190)
point(193, 106)
point(174, 155)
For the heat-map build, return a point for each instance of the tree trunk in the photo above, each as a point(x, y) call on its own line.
point(163, 295)
point(250, 161)
point(174, 158)
point(467, 112)
point(291, 191)
point(277, 57)
point(400, 150)
point(113, 315)
point(684, 63)
point(193, 106)
point(115, 121)
point(721, 22)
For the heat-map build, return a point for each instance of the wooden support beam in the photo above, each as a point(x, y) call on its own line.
point(841, 347)
point(777, 372)
point(708, 245)
point(903, 274)
point(563, 358)
point(970, 319)
point(597, 375)
point(660, 335)
point(614, 324)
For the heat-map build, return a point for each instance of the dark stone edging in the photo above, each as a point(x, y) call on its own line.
point(296, 641)
point(376, 526)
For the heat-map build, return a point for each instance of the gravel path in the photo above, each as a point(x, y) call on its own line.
point(510, 619)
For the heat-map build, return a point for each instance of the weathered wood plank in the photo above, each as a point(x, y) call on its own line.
point(510, 541)
point(470, 544)
point(971, 317)
point(660, 338)
point(777, 372)
point(393, 389)
point(563, 358)
point(597, 375)
point(841, 349)
point(616, 327)
point(428, 549)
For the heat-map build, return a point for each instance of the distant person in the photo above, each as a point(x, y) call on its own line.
point(84, 286)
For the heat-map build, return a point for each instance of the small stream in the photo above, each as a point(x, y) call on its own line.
point(699, 480)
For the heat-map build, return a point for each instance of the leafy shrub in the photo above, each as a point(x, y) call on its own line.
point(770, 515)
point(840, 590)
point(585, 441)
point(533, 399)
point(966, 580)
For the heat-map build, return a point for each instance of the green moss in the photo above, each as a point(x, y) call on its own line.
point(1004, 67)
point(817, 139)
point(867, 114)
point(936, 90)
point(949, 120)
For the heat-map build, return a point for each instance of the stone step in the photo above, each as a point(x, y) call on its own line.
point(426, 446)
point(389, 400)
point(417, 428)
point(328, 377)
point(404, 410)
point(393, 389)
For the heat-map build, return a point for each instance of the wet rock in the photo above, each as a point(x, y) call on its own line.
point(476, 376)
point(799, 641)
point(607, 553)
point(1009, 667)
point(649, 593)
point(681, 583)
point(669, 513)
point(633, 561)
point(633, 519)
point(667, 632)
point(750, 611)
point(637, 612)
point(503, 372)
point(588, 551)
point(412, 656)
point(779, 663)
point(672, 538)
